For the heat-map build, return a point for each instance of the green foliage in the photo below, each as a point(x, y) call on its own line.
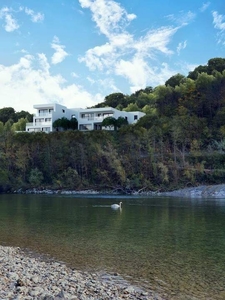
point(65, 124)
point(113, 123)
point(132, 107)
point(20, 125)
point(109, 122)
point(175, 80)
point(8, 113)
point(24, 115)
point(36, 177)
point(180, 141)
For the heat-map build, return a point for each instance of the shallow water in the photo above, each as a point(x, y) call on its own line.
point(173, 246)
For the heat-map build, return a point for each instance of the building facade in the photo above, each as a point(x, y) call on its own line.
point(88, 119)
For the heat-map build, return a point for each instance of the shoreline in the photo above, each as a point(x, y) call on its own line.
point(28, 276)
point(203, 191)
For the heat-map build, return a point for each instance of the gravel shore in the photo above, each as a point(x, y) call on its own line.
point(24, 276)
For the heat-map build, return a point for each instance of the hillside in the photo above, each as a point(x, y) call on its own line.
point(179, 143)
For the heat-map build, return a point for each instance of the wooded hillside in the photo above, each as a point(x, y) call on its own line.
point(180, 142)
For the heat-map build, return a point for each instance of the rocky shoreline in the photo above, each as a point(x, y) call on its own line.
point(204, 191)
point(25, 276)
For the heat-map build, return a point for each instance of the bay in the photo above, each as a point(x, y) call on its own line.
point(175, 246)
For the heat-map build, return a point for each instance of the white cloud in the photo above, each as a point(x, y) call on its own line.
point(108, 15)
point(181, 46)
point(10, 22)
point(91, 80)
point(155, 40)
point(219, 24)
point(35, 17)
point(123, 54)
point(183, 18)
point(60, 54)
point(30, 81)
point(138, 72)
point(218, 21)
point(205, 6)
point(74, 75)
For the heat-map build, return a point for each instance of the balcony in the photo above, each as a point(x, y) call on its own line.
point(98, 119)
point(47, 115)
point(29, 124)
point(49, 123)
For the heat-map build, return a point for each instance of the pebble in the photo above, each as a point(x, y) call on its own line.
point(25, 277)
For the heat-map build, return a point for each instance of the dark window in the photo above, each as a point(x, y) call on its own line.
point(135, 117)
point(63, 110)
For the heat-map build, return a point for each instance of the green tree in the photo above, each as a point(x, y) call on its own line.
point(175, 80)
point(6, 114)
point(109, 122)
point(20, 125)
point(25, 115)
point(121, 122)
point(36, 177)
point(132, 107)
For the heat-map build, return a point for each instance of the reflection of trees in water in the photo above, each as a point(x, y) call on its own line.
point(173, 244)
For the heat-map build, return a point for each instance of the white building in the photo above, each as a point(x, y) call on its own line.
point(88, 119)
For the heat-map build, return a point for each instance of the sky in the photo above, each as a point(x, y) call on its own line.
point(76, 52)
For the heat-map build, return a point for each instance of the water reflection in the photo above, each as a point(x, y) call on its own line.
point(175, 246)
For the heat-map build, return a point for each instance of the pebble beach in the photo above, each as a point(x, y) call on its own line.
point(24, 276)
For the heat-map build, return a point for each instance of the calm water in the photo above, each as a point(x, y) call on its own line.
point(174, 246)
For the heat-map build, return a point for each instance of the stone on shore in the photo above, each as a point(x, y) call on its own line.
point(25, 277)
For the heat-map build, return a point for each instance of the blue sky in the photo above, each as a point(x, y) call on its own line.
point(76, 52)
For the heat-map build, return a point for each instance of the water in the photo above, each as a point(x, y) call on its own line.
point(173, 246)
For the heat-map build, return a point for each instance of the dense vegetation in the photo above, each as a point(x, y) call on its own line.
point(180, 142)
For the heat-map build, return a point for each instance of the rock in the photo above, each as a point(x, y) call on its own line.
point(36, 291)
point(35, 279)
point(23, 276)
point(19, 282)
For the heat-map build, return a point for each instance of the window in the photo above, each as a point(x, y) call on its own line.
point(89, 116)
point(135, 117)
point(46, 129)
point(107, 115)
point(63, 110)
point(43, 112)
point(85, 127)
point(37, 121)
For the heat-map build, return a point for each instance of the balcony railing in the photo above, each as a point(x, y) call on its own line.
point(29, 124)
point(38, 124)
point(43, 123)
point(48, 115)
point(97, 119)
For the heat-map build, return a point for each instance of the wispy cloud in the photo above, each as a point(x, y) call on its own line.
point(11, 23)
point(219, 24)
point(60, 54)
point(181, 46)
point(205, 6)
point(108, 15)
point(123, 54)
point(183, 18)
point(35, 17)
